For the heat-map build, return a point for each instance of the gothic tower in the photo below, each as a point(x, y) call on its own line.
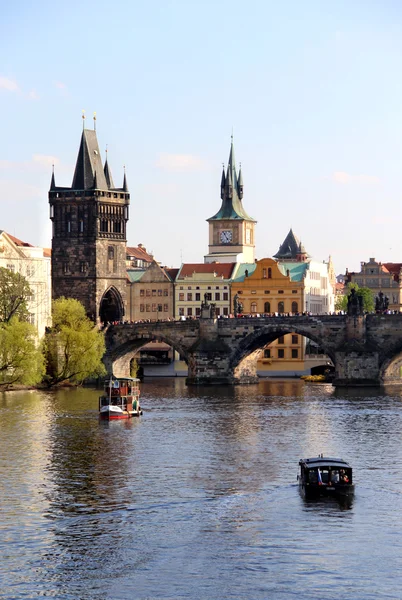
point(231, 230)
point(89, 235)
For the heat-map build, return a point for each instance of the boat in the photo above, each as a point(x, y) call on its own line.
point(120, 399)
point(325, 476)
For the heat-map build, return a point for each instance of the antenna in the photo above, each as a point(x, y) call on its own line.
point(94, 121)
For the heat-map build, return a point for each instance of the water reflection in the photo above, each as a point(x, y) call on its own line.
point(204, 483)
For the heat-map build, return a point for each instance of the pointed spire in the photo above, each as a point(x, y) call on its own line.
point(52, 182)
point(125, 187)
point(108, 174)
point(88, 163)
point(240, 184)
point(223, 181)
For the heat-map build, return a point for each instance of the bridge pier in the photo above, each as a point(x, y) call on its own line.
point(357, 368)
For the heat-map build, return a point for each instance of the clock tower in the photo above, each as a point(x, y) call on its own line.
point(231, 230)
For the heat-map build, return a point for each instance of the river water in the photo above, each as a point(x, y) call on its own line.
point(198, 498)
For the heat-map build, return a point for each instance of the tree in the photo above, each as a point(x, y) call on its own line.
point(14, 295)
point(341, 303)
point(74, 346)
point(21, 360)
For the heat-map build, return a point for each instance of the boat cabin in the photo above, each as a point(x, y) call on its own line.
point(122, 392)
point(325, 476)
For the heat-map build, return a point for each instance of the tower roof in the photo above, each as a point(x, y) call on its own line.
point(290, 248)
point(89, 164)
point(232, 207)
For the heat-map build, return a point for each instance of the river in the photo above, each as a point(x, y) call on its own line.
point(198, 498)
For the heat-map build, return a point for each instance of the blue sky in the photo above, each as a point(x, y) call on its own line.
point(312, 90)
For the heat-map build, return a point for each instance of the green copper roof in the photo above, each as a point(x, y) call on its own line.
point(296, 269)
point(240, 274)
point(135, 275)
point(231, 194)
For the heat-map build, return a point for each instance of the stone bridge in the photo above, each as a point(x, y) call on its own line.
point(366, 350)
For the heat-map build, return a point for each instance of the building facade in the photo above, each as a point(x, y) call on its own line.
point(380, 277)
point(196, 283)
point(89, 235)
point(34, 264)
point(150, 294)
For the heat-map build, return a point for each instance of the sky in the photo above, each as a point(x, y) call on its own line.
point(311, 90)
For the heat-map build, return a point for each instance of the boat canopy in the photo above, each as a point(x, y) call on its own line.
point(314, 463)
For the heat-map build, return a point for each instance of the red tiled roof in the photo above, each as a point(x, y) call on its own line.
point(221, 269)
point(18, 242)
point(394, 268)
point(139, 253)
point(47, 252)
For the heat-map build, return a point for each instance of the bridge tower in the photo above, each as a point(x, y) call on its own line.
point(89, 235)
point(231, 230)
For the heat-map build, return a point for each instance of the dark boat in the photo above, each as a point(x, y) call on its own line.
point(121, 399)
point(324, 476)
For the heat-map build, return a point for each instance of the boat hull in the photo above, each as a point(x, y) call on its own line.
point(113, 415)
point(326, 491)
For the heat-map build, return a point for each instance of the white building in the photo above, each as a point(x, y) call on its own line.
point(34, 264)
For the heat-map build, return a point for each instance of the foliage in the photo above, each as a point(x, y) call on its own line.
point(21, 360)
point(14, 295)
point(341, 302)
point(134, 368)
point(74, 347)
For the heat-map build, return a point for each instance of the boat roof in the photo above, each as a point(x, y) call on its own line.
point(113, 378)
point(321, 461)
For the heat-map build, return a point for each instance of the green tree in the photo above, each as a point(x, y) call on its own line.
point(341, 302)
point(21, 359)
point(14, 295)
point(74, 346)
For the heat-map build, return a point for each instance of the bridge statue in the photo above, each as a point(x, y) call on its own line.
point(237, 306)
point(208, 309)
point(381, 303)
point(355, 304)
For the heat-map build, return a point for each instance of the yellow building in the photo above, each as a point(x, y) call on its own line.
point(267, 288)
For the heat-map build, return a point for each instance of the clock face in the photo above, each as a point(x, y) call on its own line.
point(226, 237)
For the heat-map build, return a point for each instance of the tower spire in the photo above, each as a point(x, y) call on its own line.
point(125, 187)
point(52, 181)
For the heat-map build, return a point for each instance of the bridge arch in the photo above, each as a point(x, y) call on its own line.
point(243, 360)
point(111, 307)
point(391, 365)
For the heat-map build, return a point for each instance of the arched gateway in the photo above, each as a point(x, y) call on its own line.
point(364, 349)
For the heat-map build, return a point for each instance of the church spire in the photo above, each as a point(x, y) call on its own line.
point(125, 186)
point(231, 192)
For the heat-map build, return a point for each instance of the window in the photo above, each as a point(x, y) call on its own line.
point(253, 291)
point(209, 287)
point(197, 311)
point(11, 268)
point(165, 308)
point(160, 307)
point(295, 353)
point(264, 273)
point(217, 296)
point(83, 267)
point(142, 292)
point(148, 293)
point(181, 297)
point(189, 297)
point(267, 353)
point(154, 292)
point(65, 267)
point(295, 307)
point(267, 307)
point(280, 291)
point(181, 312)
point(148, 308)
point(217, 287)
point(208, 296)
point(269, 273)
point(281, 353)
point(225, 296)
point(281, 308)
point(189, 287)
point(225, 310)
point(295, 339)
point(267, 291)
point(197, 297)
point(141, 308)
point(294, 291)
point(190, 311)
point(281, 340)
point(166, 292)
point(253, 307)
point(159, 292)
point(217, 311)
